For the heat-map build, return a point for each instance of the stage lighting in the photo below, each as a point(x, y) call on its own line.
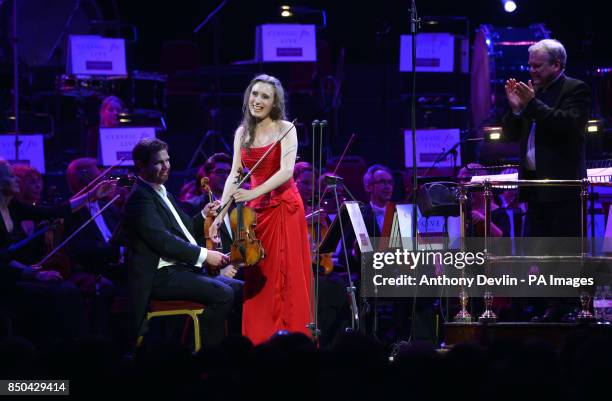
point(305, 15)
point(492, 133)
point(594, 126)
point(509, 6)
point(286, 11)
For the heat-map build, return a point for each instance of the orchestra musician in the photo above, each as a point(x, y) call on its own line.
point(164, 258)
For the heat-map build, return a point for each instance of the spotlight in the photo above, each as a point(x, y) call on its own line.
point(594, 126)
point(509, 6)
point(285, 11)
point(492, 133)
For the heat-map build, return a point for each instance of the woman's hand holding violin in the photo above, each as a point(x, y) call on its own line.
point(244, 195)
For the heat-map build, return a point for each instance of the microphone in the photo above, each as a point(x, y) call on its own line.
point(323, 123)
point(315, 123)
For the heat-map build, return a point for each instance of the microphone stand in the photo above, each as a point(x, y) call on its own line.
point(16, 82)
point(415, 23)
point(209, 16)
point(67, 24)
point(313, 325)
point(332, 182)
point(452, 150)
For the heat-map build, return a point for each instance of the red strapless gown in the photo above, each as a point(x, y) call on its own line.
point(277, 290)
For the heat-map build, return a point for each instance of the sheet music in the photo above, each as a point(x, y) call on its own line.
point(361, 232)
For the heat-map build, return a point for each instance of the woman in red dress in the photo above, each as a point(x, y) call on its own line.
point(277, 290)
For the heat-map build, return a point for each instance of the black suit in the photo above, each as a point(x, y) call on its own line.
point(560, 113)
point(152, 232)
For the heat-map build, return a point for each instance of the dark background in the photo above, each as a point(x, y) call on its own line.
point(375, 96)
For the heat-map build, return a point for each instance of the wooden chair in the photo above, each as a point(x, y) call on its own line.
point(158, 308)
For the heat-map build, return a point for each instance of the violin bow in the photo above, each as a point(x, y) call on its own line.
point(98, 178)
point(78, 230)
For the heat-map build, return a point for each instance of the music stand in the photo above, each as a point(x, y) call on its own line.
point(337, 232)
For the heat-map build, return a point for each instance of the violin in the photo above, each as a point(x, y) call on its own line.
point(326, 264)
point(208, 221)
point(210, 216)
point(246, 249)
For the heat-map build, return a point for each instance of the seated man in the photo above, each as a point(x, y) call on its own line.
point(98, 268)
point(378, 183)
point(162, 253)
point(216, 168)
point(92, 248)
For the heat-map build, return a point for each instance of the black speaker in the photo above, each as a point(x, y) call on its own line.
point(438, 199)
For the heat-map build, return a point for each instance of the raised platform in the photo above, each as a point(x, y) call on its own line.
point(485, 334)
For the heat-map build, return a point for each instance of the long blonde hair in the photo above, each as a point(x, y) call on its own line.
point(277, 113)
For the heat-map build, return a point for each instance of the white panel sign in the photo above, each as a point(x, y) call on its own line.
point(435, 52)
point(95, 55)
point(286, 42)
point(117, 143)
point(361, 232)
point(425, 225)
point(31, 150)
point(431, 143)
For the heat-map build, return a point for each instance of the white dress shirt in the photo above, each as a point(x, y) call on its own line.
point(94, 208)
point(160, 190)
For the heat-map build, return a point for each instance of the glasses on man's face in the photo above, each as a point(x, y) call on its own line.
point(221, 171)
point(384, 182)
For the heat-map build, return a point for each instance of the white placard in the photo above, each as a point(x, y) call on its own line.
point(602, 174)
point(434, 224)
point(285, 42)
point(117, 143)
point(31, 150)
point(435, 52)
point(431, 143)
point(95, 55)
point(361, 232)
point(497, 177)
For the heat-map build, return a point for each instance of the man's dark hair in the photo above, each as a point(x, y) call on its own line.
point(212, 161)
point(146, 148)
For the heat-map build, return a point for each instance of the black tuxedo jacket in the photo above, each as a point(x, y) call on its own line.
point(560, 112)
point(151, 232)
